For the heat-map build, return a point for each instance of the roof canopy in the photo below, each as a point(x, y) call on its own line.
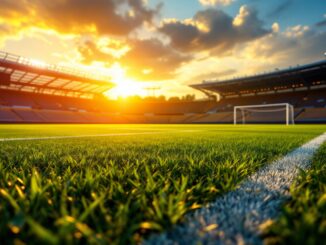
point(301, 76)
point(18, 73)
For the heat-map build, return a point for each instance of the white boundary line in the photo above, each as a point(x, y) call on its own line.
point(236, 217)
point(92, 135)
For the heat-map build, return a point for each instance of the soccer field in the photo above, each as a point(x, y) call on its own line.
point(120, 183)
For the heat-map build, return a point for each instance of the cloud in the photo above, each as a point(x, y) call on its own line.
point(147, 60)
point(152, 60)
point(9, 31)
point(174, 50)
point(111, 17)
point(214, 30)
point(275, 27)
point(4, 29)
point(322, 22)
point(216, 2)
point(90, 52)
point(13, 8)
point(296, 44)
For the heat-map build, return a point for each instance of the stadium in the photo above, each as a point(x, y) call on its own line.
point(245, 163)
point(31, 94)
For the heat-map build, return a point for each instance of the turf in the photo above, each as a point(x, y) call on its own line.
point(38, 130)
point(119, 189)
point(303, 219)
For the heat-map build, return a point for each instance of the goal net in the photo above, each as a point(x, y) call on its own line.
point(267, 113)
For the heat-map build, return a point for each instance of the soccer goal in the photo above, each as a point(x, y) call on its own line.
point(268, 113)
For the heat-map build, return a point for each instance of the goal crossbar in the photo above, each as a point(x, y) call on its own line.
point(289, 111)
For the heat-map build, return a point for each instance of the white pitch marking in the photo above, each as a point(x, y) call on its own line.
point(91, 135)
point(239, 213)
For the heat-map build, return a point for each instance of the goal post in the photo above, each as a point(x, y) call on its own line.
point(247, 110)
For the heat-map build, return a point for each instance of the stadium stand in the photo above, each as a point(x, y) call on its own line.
point(27, 115)
point(312, 115)
point(34, 93)
point(6, 115)
point(304, 87)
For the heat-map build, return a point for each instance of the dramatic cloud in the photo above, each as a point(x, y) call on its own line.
point(216, 2)
point(152, 60)
point(113, 17)
point(214, 30)
point(124, 33)
point(4, 29)
point(296, 44)
point(90, 52)
point(148, 60)
point(13, 8)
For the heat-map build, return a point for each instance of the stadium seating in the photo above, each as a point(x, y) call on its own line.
point(7, 115)
point(221, 117)
point(61, 116)
point(312, 115)
point(17, 99)
point(40, 108)
point(28, 115)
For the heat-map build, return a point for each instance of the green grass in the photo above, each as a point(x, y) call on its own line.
point(119, 189)
point(303, 219)
point(39, 130)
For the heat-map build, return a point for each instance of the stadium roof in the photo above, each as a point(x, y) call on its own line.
point(19, 73)
point(310, 75)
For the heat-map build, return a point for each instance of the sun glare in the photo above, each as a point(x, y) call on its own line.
point(38, 63)
point(124, 86)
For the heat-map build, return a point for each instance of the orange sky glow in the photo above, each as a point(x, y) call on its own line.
point(145, 44)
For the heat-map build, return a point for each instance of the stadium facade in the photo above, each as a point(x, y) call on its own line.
point(31, 92)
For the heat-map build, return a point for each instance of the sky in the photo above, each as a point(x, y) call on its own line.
point(165, 44)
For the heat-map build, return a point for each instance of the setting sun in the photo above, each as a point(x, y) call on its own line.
point(124, 86)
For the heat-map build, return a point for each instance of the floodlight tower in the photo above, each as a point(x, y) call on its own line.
point(153, 90)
